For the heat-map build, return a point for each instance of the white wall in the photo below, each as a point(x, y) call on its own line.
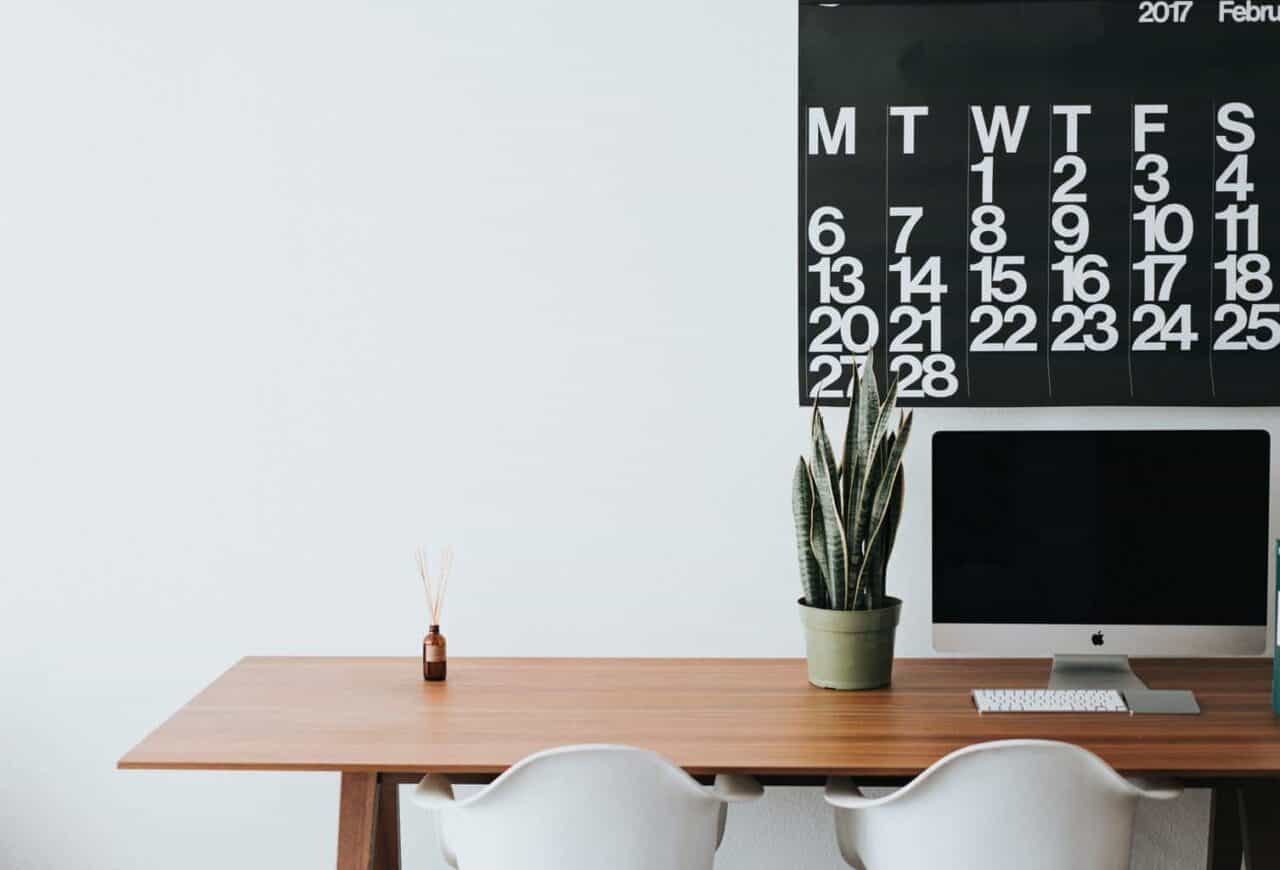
point(290, 287)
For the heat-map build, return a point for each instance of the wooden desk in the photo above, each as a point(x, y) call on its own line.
point(377, 722)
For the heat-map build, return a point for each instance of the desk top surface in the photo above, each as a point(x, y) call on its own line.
point(756, 716)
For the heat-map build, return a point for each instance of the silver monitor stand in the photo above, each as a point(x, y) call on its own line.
point(1093, 672)
point(1113, 672)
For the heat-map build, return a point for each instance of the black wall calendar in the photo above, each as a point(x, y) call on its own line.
point(1041, 203)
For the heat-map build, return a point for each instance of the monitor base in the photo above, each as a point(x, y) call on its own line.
point(1093, 672)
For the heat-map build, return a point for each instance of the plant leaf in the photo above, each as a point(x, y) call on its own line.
point(818, 539)
point(884, 422)
point(822, 444)
point(871, 465)
point(849, 449)
point(811, 580)
point(884, 491)
point(871, 385)
point(894, 515)
point(873, 561)
point(866, 408)
point(825, 484)
point(874, 588)
point(817, 525)
point(872, 591)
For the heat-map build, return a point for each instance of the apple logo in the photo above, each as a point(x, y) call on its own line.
point(1097, 638)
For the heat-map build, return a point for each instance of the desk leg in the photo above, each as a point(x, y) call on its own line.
point(1225, 846)
point(368, 823)
point(1260, 824)
point(357, 819)
point(386, 836)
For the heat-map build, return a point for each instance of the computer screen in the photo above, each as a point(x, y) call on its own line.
point(1120, 528)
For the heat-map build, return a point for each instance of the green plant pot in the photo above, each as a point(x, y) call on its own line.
point(850, 649)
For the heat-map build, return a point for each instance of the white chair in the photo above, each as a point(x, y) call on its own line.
point(586, 808)
point(1008, 805)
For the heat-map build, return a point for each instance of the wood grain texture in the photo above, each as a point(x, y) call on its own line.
point(386, 837)
point(357, 816)
point(755, 716)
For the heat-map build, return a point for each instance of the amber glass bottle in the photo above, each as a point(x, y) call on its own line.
point(434, 660)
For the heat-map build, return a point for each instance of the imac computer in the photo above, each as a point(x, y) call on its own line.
point(1091, 546)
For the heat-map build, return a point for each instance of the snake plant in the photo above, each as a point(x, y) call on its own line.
point(847, 513)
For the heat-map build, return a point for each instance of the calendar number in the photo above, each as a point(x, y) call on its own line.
point(992, 319)
point(932, 377)
point(1165, 328)
point(1263, 328)
point(1100, 334)
point(849, 272)
point(1163, 11)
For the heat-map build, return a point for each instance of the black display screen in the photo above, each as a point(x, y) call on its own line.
point(1041, 203)
point(1101, 528)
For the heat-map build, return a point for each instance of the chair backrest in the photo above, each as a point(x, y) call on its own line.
point(586, 808)
point(1007, 805)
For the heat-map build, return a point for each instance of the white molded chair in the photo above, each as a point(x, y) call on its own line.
point(1007, 805)
point(586, 808)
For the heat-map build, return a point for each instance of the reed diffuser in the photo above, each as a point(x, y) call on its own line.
point(435, 662)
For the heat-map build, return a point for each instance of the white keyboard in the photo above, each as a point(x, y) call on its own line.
point(1049, 701)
